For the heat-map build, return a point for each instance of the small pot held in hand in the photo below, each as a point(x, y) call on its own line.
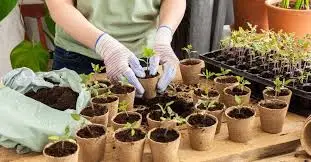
point(190, 70)
point(111, 102)
point(232, 91)
point(223, 82)
point(125, 93)
point(53, 153)
point(122, 118)
point(272, 115)
point(285, 95)
point(97, 114)
point(154, 121)
point(150, 85)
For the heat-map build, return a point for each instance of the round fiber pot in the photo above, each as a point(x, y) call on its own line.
point(271, 117)
point(250, 11)
point(150, 86)
point(129, 149)
point(229, 99)
point(218, 114)
point(128, 95)
point(305, 139)
point(117, 126)
point(202, 134)
point(73, 157)
point(206, 83)
point(166, 151)
point(156, 124)
point(240, 130)
point(286, 98)
point(92, 148)
point(288, 20)
point(111, 102)
point(96, 119)
point(223, 82)
point(196, 97)
point(190, 70)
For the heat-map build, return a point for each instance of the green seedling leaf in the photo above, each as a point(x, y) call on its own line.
point(169, 103)
point(132, 132)
point(54, 138)
point(237, 99)
point(75, 117)
point(123, 106)
point(97, 68)
point(189, 50)
point(67, 131)
point(148, 52)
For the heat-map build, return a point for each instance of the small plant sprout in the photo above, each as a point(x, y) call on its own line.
point(148, 53)
point(85, 78)
point(208, 103)
point(223, 72)
point(96, 69)
point(189, 51)
point(123, 107)
point(207, 74)
point(238, 100)
point(131, 126)
point(242, 82)
point(124, 81)
point(167, 109)
point(65, 137)
point(78, 118)
point(279, 85)
point(299, 4)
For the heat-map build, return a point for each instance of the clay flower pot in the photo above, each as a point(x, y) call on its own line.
point(288, 20)
point(152, 123)
point(269, 95)
point(111, 102)
point(129, 148)
point(150, 86)
point(92, 145)
point(223, 82)
point(229, 97)
point(165, 150)
point(241, 128)
point(190, 70)
point(202, 129)
point(272, 115)
point(120, 120)
point(199, 94)
point(306, 136)
point(98, 115)
point(71, 154)
point(125, 93)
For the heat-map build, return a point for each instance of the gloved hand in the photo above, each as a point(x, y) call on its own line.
point(164, 55)
point(120, 62)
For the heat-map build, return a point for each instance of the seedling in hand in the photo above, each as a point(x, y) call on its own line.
point(189, 50)
point(207, 74)
point(223, 72)
point(65, 137)
point(242, 82)
point(123, 107)
point(148, 53)
point(132, 127)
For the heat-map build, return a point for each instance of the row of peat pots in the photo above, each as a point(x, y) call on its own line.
point(277, 15)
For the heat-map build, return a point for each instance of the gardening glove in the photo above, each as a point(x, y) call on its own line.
point(164, 55)
point(120, 62)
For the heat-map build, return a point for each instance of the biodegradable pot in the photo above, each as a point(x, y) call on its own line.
point(221, 86)
point(230, 99)
point(128, 98)
point(250, 11)
point(286, 98)
point(196, 98)
point(112, 106)
point(150, 86)
point(305, 139)
point(157, 124)
point(288, 20)
point(102, 119)
point(117, 126)
point(272, 120)
point(72, 158)
point(206, 83)
point(164, 152)
point(92, 149)
point(240, 130)
point(201, 138)
point(129, 151)
point(190, 73)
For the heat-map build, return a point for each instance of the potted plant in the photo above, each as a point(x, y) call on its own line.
point(129, 142)
point(63, 148)
point(279, 92)
point(164, 144)
point(240, 122)
point(156, 118)
point(96, 113)
point(202, 130)
point(125, 91)
point(237, 90)
point(207, 77)
point(212, 107)
point(97, 73)
point(91, 139)
point(272, 115)
point(222, 81)
point(291, 16)
point(149, 82)
point(206, 94)
point(191, 68)
point(125, 116)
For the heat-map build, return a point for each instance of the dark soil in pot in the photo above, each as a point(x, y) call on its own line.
point(241, 113)
point(60, 98)
point(236, 91)
point(91, 131)
point(103, 100)
point(267, 74)
point(227, 80)
point(119, 89)
point(57, 150)
point(126, 136)
point(182, 108)
point(231, 62)
point(200, 120)
point(97, 111)
point(221, 58)
point(283, 92)
point(306, 87)
point(163, 135)
point(200, 92)
point(218, 106)
point(123, 118)
point(191, 62)
point(156, 115)
point(273, 105)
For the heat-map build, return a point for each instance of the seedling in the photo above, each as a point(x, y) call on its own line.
point(223, 72)
point(123, 107)
point(132, 127)
point(238, 100)
point(207, 74)
point(96, 69)
point(279, 85)
point(148, 53)
point(167, 110)
point(78, 118)
point(208, 104)
point(242, 82)
point(189, 50)
point(65, 137)
point(299, 4)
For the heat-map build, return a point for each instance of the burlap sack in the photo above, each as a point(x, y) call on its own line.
point(103, 119)
point(128, 98)
point(283, 98)
point(229, 100)
point(71, 158)
point(218, 114)
point(150, 86)
point(272, 120)
point(190, 73)
point(196, 98)
point(112, 108)
point(221, 86)
point(117, 126)
point(305, 139)
point(92, 149)
point(202, 138)
point(164, 152)
point(157, 124)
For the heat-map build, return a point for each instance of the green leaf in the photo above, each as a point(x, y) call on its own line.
point(132, 132)
point(31, 55)
point(162, 118)
point(75, 117)
point(148, 52)
point(67, 131)
point(170, 103)
point(6, 7)
point(54, 138)
point(237, 99)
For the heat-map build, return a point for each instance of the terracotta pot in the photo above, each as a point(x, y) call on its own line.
point(117, 126)
point(230, 99)
point(272, 120)
point(150, 86)
point(164, 152)
point(288, 20)
point(157, 124)
point(103, 119)
point(72, 158)
point(128, 98)
point(240, 130)
point(190, 73)
point(196, 98)
point(112, 107)
point(252, 11)
point(201, 138)
point(221, 86)
point(129, 151)
point(92, 149)
point(283, 98)
point(305, 139)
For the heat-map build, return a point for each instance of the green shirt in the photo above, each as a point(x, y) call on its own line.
point(132, 22)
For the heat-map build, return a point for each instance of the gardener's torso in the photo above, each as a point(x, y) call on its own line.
point(132, 22)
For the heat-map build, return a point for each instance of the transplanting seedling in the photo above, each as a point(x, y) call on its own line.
point(279, 85)
point(132, 126)
point(65, 137)
point(123, 107)
point(148, 53)
point(242, 82)
point(223, 72)
point(189, 51)
point(207, 74)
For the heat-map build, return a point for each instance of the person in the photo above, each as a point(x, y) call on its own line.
point(115, 32)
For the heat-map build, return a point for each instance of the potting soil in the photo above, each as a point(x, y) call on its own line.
point(93, 131)
point(200, 120)
point(118, 89)
point(126, 118)
point(163, 135)
point(126, 136)
point(97, 111)
point(57, 150)
point(241, 113)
